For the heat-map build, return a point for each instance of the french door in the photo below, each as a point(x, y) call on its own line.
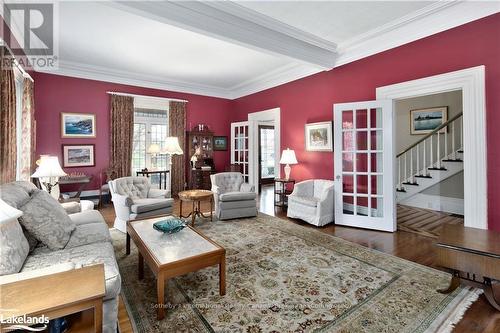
point(239, 146)
point(364, 165)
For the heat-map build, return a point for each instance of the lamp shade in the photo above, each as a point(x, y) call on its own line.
point(154, 149)
point(8, 212)
point(172, 146)
point(49, 167)
point(288, 157)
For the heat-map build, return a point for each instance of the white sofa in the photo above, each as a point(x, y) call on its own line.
point(133, 198)
point(312, 201)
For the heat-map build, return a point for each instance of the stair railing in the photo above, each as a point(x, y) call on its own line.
point(429, 150)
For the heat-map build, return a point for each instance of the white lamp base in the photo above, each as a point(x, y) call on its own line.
point(288, 169)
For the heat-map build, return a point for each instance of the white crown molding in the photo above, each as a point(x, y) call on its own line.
point(429, 20)
point(136, 79)
point(234, 23)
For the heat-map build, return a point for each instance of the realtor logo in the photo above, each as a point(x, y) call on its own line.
point(31, 32)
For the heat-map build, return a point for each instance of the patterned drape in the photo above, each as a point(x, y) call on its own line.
point(177, 124)
point(8, 144)
point(122, 132)
point(28, 131)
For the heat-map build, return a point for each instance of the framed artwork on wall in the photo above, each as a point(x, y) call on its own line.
point(75, 155)
point(424, 121)
point(319, 136)
point(78, 125)
point(220, 142)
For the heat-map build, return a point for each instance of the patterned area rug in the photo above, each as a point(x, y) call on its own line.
point(282, 277)
point(425, 222)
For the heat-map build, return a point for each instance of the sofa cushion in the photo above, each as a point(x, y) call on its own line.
point(307, 201)
point(237, 196)
point(14, 247)
point(88, 216)
point(14, 195)
point(32, 241)
point(237, 204)
point(150, 204)
point(71, 207)
point(86, 255)
point(89, 233)
point(47, 220)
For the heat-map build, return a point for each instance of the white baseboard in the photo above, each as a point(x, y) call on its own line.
point(435, 202)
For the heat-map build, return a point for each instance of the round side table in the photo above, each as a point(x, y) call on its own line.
point(196, 197)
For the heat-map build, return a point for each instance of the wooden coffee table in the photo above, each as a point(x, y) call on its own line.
point(196, 197)
point(172, 255)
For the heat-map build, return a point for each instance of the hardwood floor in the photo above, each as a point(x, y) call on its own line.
point(480, 317)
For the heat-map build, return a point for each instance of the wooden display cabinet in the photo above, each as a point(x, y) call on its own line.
point(199, 142)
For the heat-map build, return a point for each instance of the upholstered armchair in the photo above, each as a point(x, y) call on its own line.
point(133, 198)
point(233, 197)
point(312, 201)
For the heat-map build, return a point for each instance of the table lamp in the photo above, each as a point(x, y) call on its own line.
point(172, 147)
point(288, 157)
point(154, 149)
point(48, 169)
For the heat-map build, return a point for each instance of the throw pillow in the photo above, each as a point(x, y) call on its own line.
point(14, 249)
point(47, 220)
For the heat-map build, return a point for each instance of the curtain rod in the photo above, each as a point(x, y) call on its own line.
point(145, 96)
point(19, 67)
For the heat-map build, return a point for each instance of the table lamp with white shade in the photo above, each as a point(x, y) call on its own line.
point(154, 149)
point(288, 157)
point(172, 147)
point(49, 171)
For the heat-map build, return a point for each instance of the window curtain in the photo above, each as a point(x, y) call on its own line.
point(8, 139)
point(122, 133)
point(27, 157)
point(177, 124)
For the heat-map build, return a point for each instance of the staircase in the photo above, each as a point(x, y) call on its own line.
point(430, 160)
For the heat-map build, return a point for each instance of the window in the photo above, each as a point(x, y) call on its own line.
point(150, 128)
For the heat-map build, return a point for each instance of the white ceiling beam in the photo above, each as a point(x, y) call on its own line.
point(231, 22)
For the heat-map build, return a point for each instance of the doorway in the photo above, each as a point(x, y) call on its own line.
point(471, 82)
point(267, 158)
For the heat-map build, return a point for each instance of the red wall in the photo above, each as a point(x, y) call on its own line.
point(55, 94)
point(311, 99)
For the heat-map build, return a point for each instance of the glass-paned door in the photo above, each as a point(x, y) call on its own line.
point(363, 162)
point(239, 146)
point(266, 154)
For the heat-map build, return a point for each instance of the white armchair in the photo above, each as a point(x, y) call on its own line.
point(133, 198)
point(233, 197)
point(312, 201)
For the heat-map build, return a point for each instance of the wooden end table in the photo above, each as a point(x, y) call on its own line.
point(196, 197)
point(475, 252)
point(173, 255)
point(282, 191)
point(72, 293)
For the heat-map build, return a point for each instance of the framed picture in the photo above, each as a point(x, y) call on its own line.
point(319, 136)
point(423, 121)
point(220, 142)
point(78, 125)
point(78, 155)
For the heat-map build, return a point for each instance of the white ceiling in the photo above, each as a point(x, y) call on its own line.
point(231, 50)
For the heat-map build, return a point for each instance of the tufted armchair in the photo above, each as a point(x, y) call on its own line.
point(134, 198)
point(233, 197)
point(312, 201)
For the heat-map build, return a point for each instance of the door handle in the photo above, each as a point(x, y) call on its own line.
point(338, 177)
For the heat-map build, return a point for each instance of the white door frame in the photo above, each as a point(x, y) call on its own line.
point(253, 142)
point(472, 83)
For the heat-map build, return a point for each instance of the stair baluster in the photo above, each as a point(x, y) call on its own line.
point(454, 149)
point(432, 153)
point(446, 142)
point(424, 172)
point(438, 151)
point(412, 179)
point(418, 160)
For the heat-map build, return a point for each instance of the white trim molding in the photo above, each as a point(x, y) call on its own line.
point(472, 83)
point(254, 118)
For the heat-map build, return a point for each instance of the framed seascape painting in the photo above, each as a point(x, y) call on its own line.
point(319, 136)
point(424, 121)
point(220, 142)
point(78, 155)
point(78, 125)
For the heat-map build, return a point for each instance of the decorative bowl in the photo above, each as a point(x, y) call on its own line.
point(169, 226)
